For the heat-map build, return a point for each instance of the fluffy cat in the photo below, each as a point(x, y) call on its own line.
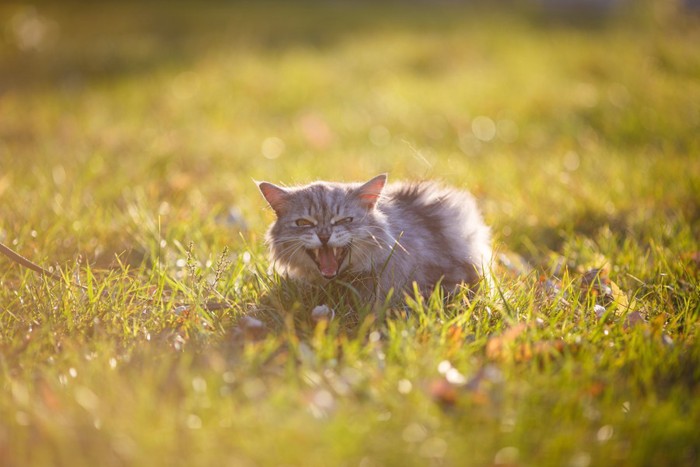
point(379, 237)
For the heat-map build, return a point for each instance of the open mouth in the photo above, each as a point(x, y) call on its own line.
point(329, 259)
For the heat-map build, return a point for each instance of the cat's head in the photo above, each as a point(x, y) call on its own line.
point(323, 227)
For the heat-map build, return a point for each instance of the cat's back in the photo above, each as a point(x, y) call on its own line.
point(427, 202)
point(437, 220)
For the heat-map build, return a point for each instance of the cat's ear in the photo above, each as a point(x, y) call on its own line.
point(369, 192)
point(276, 197)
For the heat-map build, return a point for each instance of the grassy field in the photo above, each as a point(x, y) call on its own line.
point(130, 136)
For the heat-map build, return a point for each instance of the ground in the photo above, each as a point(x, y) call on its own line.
point(130, 138)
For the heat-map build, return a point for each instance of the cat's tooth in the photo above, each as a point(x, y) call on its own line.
point(316, 253)
point(335, 251)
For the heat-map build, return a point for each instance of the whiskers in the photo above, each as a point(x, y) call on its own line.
point(286, 250)
point(371, 247)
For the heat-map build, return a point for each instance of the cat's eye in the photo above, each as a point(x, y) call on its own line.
point(304, 223)
point(344, 220)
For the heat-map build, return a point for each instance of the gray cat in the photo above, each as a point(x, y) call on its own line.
point(381, 238)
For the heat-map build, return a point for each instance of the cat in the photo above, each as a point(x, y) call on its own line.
point(380, 237)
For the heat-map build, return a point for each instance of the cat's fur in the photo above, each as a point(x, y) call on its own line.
point(377, 236)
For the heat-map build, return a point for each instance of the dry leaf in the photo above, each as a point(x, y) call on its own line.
point(595, 389)
point(456, 337)
point(505, 347)
point(443, 392)
point(496, 345)
point(692, 259)
point(596, 282)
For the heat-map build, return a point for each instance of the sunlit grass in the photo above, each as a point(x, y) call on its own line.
point(130, 137)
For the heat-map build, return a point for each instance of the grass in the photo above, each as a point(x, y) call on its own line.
point(129, 138)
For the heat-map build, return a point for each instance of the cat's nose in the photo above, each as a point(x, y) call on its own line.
point(324, 237)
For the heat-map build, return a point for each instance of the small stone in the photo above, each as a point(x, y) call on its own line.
point(252, 328)
point(599, 311)
point(322, 313)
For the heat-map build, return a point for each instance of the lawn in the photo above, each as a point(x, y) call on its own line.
point(130, 138)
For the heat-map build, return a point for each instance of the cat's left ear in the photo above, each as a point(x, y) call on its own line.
point(275, 196)
point(369, 192)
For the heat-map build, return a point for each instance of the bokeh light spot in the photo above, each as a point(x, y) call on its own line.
point(484, 128)
point(272, 147)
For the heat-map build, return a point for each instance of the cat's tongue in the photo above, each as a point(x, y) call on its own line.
point(327, 262)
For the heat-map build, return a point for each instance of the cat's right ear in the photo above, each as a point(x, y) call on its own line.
point(275, 196)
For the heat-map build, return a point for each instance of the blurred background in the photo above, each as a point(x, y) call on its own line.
point(558, 114)
point(130, 136)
